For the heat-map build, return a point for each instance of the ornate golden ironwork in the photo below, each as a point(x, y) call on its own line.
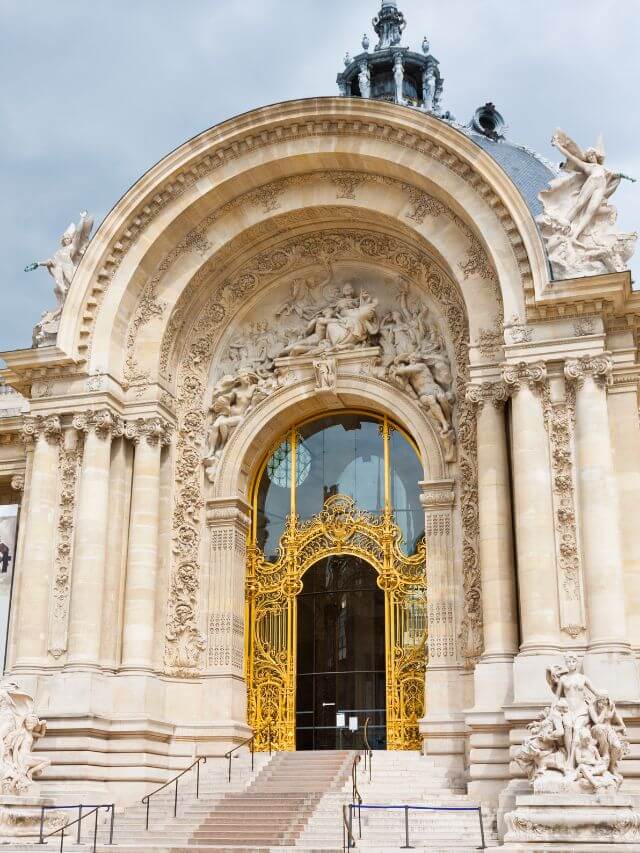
point(271, 593)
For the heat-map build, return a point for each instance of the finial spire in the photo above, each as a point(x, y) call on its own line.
point(389, 25)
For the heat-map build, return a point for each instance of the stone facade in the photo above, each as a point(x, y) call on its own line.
point(128, 610)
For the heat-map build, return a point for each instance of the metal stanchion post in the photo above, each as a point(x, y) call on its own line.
point(483, 843)
point(406, 845)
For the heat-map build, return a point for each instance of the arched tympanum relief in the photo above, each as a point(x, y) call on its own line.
point(213, 343)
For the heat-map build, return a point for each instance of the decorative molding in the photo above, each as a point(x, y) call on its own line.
point(153, 430)
point(491, 341)
point(531, 374)
point(199, 348)
point(559, 417)
point(101, 421)
point(49, 427)
point(598, 367)
point(487, 392)
point(17, 483)
point(584, 326)
point(518, 331)
point(69, 460)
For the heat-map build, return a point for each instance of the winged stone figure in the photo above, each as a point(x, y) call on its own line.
point(578, 222)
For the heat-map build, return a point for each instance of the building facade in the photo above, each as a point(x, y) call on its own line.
point(336, 417)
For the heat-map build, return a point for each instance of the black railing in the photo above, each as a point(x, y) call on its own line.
point(348, 839)
point(251, 743)
point(146, 800)
point(82, 815)
point(368, 752)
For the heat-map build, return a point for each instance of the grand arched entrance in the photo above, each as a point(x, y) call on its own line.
point(337, 587)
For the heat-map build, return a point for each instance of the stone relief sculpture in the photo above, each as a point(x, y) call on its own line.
point(19, 730)
point(62, 266)
point(321, 320)
point(577, 744)
point(578, 223)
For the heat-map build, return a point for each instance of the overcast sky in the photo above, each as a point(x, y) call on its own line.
point(94, 93)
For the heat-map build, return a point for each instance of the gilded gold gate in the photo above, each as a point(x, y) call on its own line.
point(271, 617)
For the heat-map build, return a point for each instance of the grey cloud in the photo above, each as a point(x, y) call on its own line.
point(94, 93)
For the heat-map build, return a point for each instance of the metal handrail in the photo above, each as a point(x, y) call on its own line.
point(80, 807)
point(407, 846)
point(347, 831)
point(147, 798)
point(368, 754)
point(251, 742)
point(78, 820)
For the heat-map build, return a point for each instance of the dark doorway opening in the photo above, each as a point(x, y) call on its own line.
point(341, 674)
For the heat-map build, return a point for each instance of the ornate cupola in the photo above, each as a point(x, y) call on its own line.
point(393, 72)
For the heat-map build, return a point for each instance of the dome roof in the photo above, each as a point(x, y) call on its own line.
point(393, 72)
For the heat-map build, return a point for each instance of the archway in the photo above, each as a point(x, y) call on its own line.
point(340, 656)
point(343, 487)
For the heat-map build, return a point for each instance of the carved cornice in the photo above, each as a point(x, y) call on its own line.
point(48, 427)
point(101, 421)
point(598, 367)
point(531, 374)
point(487, 392)
point(17, 483)
point(152, 430)
point(228, 512)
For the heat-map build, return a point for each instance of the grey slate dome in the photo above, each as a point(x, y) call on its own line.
point(392, 72)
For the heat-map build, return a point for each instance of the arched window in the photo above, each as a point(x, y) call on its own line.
point(363, 456)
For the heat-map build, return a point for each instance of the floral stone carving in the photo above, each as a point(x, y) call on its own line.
point(578, 223)
point(577, 744)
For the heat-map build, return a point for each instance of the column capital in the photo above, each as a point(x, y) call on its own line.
point(17, 483)
point(40, 425)
point(154, 430)
point(487, 392)
point(101, 421)
point(533, 374)
point(598, 367)
point(437, 494)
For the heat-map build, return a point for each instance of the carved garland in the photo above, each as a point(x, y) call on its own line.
point(184, 658)
point(191, 174)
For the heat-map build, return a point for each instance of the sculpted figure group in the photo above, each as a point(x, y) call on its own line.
point(579, 741)
point(412, 355)
point(578, 223)
point(19, 730)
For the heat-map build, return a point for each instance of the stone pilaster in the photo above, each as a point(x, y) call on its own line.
point(228, 521)
point(148, 435)
point(90, 548)
point(43, 434)
point(442, 725)
point(608, 645)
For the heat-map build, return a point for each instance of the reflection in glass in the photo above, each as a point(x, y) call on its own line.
point(341, 655)
point(406, 473)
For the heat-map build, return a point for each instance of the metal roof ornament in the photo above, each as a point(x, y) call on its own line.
point(389, 25)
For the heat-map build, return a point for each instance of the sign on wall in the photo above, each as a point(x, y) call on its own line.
point(8, 537)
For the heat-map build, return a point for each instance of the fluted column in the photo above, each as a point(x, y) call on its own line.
point(142, 563)
point(599, 528)
point(497, 567)
point(90, 547)
point(39, 533)
point(534, 523)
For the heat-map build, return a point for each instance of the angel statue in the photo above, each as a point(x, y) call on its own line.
point(65, 260)
point(578, 223)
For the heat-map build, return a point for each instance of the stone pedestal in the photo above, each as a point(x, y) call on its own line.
point(553, 821)
point(20, 819)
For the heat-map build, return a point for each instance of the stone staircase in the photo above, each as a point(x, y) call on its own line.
point(293, 802)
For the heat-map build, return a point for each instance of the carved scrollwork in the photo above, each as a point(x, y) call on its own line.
point(47, 426)
point(101, 421)
point(598, 367)
point(531, 374)
point(496, 393)
point(152, 430)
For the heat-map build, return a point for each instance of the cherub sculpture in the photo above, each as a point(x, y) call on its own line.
point(578, 223)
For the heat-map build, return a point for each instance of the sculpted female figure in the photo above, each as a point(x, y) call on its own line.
point(569, 683)
point(609, 731)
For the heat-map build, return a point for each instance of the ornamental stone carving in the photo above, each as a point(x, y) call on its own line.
point(152, 430)
point(598, 367)
point(531, 374)
point(101, 421)
point(17, 483)
point(578, 223)
point(326, 373)
point(20, 728)
point(39, 425)
point(578, 743)
point(478, 395)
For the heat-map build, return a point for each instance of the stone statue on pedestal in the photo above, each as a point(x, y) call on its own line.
point(577, 743)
